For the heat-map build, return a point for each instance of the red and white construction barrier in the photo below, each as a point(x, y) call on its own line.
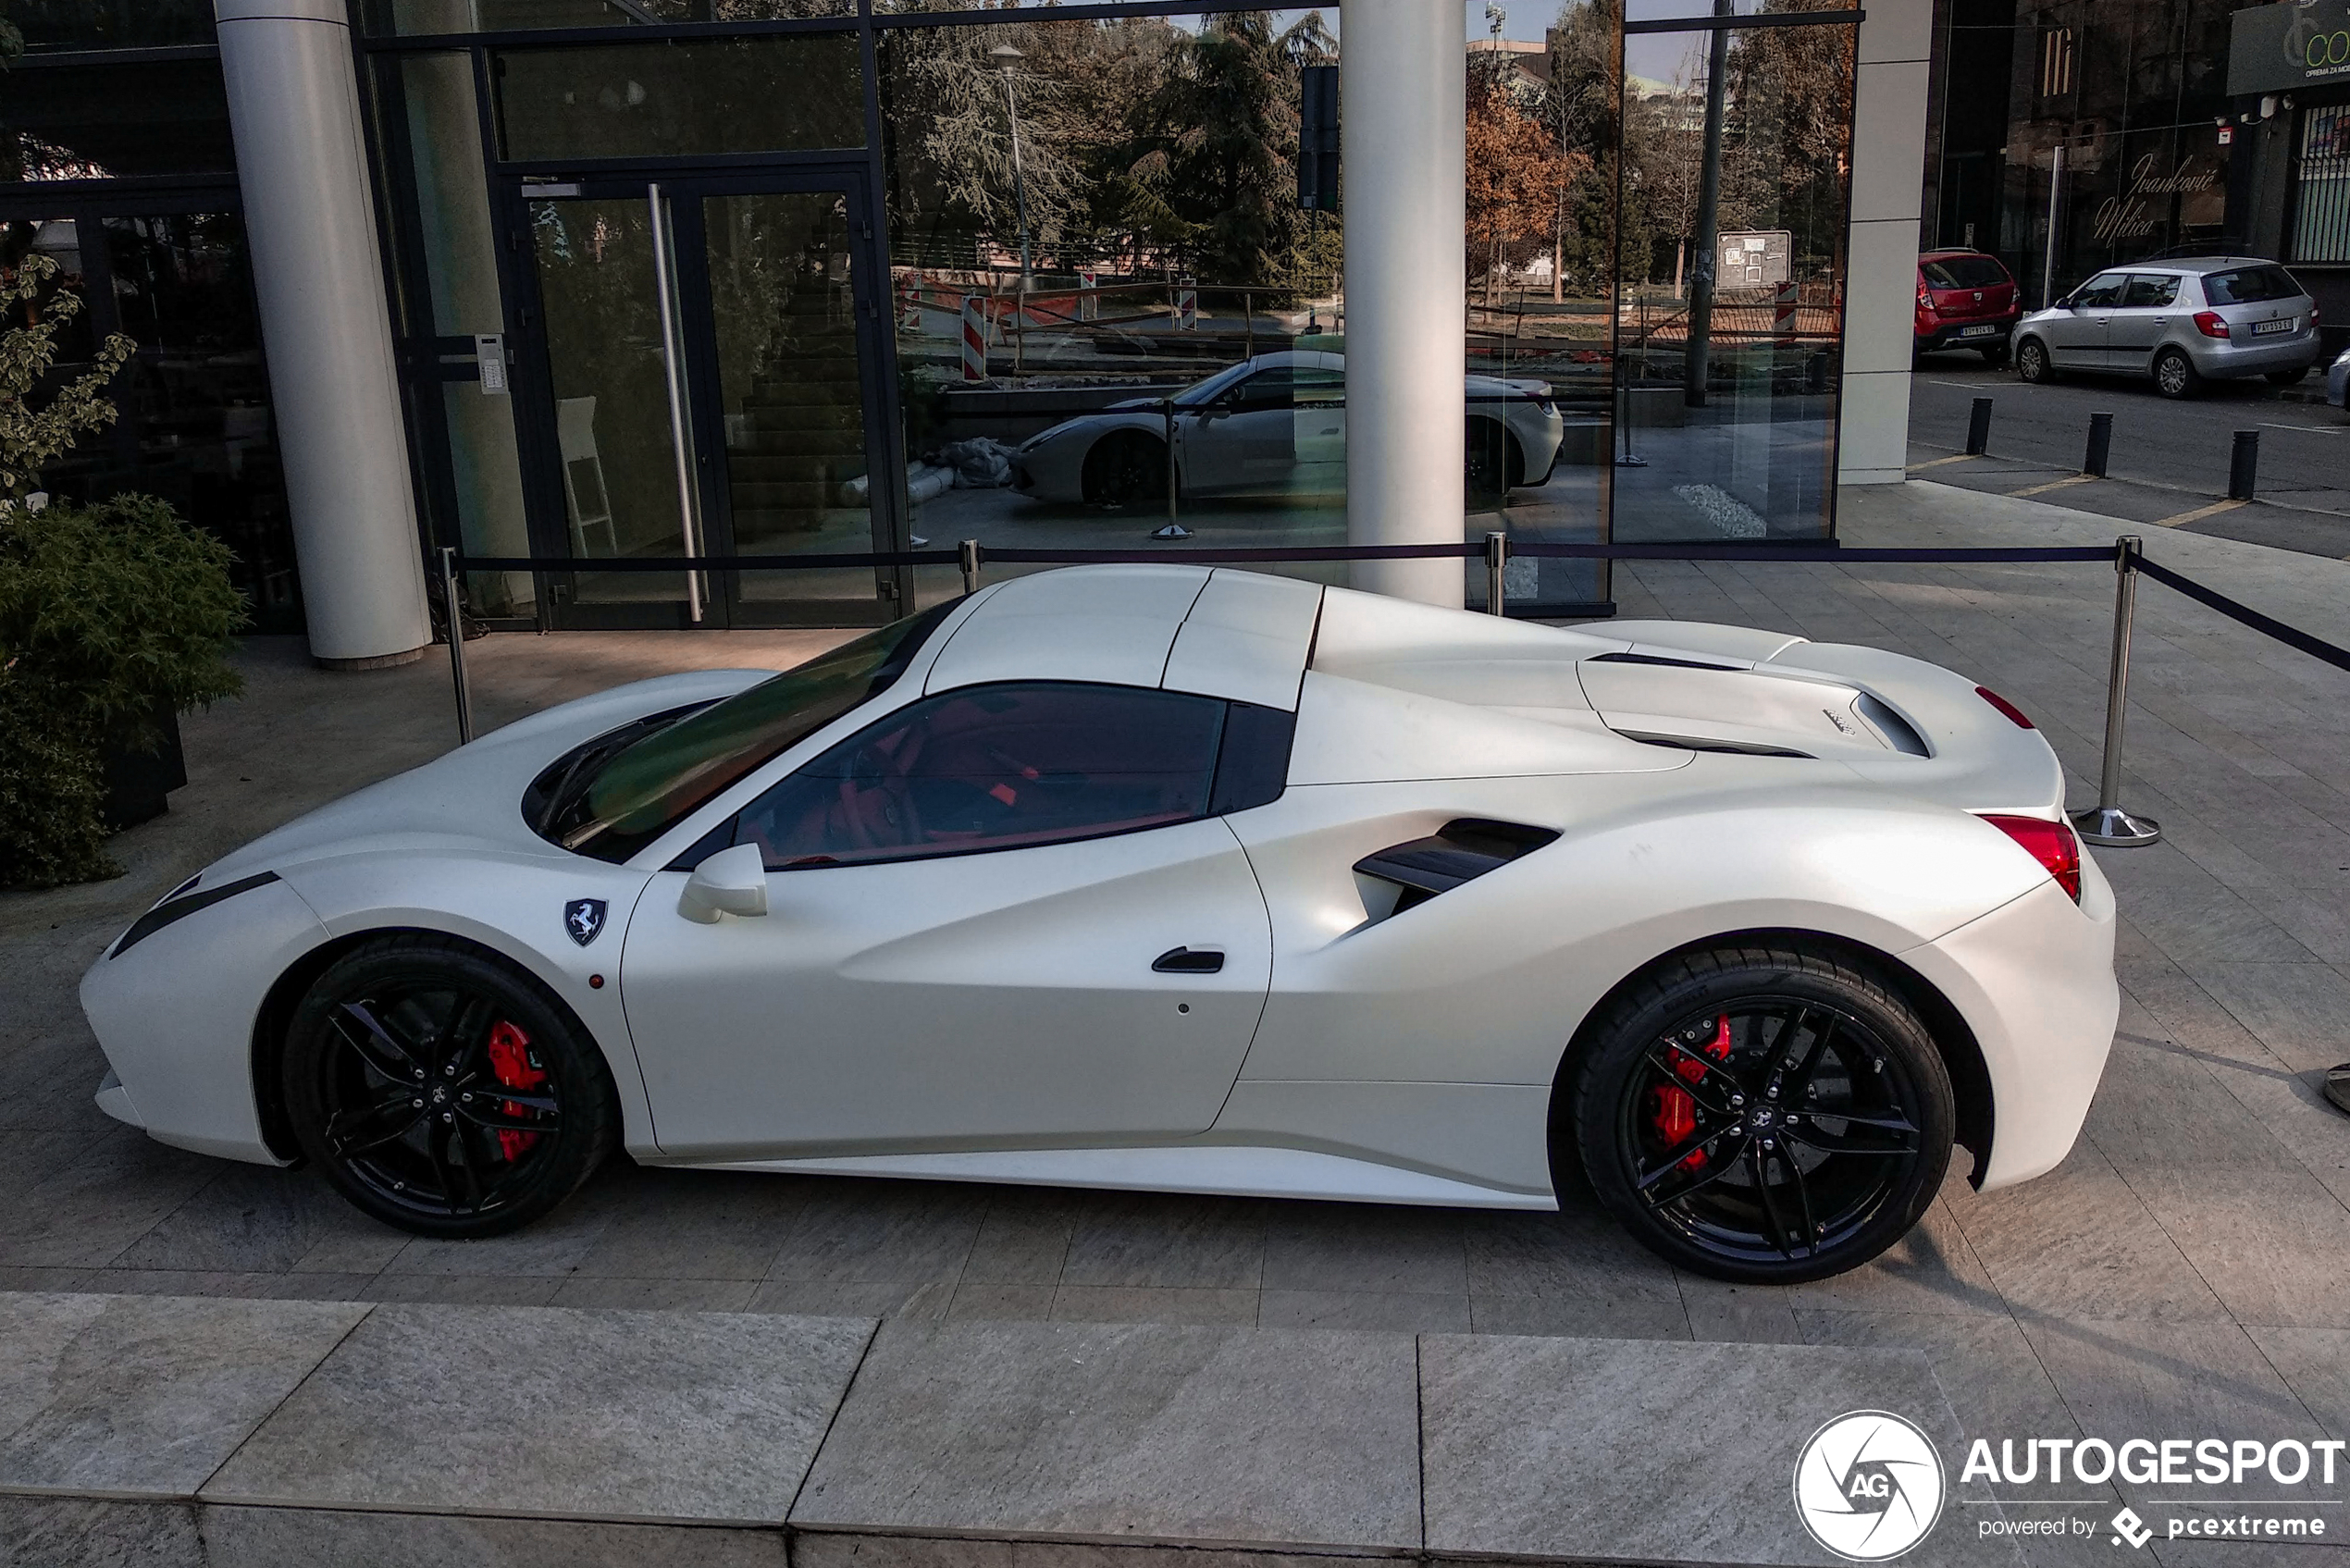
point(1783, 315)
point(910, 304)
point(1187, 308)
point(1089, 303)
point(974, 337)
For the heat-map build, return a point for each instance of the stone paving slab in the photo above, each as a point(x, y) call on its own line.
point(678, 1418)
point(1641, 1451)
point(1078, 1432)
point(119, 1396)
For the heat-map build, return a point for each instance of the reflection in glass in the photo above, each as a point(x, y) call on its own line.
point(411, 18)
point(1731, 319)
point(1158, 167)
point(674, 98)
point(111, 24)
point(461, 298)
point(113, 122)
point(1539, 236)
point(598, 289)
point(789, 394)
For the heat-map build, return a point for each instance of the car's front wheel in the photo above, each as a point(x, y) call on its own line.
point(442, 1091)
point(1764, 1115)
point(1125, 467)
point(2032, 362)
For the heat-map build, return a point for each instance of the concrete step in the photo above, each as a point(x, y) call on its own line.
point(217, 1431)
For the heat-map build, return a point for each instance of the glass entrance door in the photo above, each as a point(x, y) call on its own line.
point(704, 359)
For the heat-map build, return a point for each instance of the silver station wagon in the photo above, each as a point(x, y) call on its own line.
point(2182, 322)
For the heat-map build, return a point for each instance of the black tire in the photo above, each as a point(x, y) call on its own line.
point(444, 1092)
point(2175, 375)
point(1123, 467)
point(2032, 364)
point(2288, 377)
point(1726, 1182)
point(1494, 464)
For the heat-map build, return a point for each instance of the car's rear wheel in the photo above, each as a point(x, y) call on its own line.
point(1494, 464)
point(1764, 1115)
point(2032, 362)
point(1123, 467)
point(2175, 375)
point(443, 1092)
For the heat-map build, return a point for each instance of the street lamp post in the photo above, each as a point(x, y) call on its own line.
point(1005, 57)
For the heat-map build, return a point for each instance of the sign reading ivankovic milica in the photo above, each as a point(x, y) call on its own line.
point(2296, 43)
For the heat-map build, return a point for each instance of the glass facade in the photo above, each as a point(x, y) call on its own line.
point(1049, 281)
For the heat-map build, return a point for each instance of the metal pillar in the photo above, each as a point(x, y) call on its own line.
point(1497, 556)
point(2106, 823)
point(2100, 445)
point(455, 611)
point(1696, 361)
point(967, 554)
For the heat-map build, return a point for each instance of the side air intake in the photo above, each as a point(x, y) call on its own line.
point(1405, 875)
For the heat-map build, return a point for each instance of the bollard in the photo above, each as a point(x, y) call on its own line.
point(1978, 427)
point(2244, 465)
point(2100, 444)
point(966, 553)
point(1497, 555)
point(1167, 408)
point(456, 643)
point(2106, 823)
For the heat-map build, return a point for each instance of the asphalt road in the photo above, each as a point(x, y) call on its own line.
point(2169, 461)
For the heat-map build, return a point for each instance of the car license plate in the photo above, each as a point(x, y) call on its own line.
point(2283, 324)
point(1983, 331)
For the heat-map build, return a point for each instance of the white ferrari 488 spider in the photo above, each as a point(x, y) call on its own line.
point(1173, 878)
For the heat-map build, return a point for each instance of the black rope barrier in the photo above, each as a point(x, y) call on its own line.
point(2267, 626)
point(1017, 556)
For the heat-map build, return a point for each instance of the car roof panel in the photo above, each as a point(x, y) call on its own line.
point(1246, 638)
point(1108, 623)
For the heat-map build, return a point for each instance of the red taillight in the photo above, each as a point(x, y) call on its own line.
point(2051, 843)
point(2004, 706)
point(2210, 324)
point(1925, 300)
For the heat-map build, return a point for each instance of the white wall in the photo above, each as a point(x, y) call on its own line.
point(1888, 173)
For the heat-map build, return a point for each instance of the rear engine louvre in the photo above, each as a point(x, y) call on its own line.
point(1462, 850)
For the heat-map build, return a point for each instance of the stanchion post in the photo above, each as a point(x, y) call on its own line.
point(967, 554)
point(2244, 465)
point(1167, 411)
point(2106, 823)
point(456, 643)
point(2100, 445)
point(1497, 555)
point(1978, 427)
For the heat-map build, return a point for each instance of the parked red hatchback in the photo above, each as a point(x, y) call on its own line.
point(1966, 300)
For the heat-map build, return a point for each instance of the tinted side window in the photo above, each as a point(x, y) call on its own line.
point(997, 767)
point(2249, 285)
point(2105, 289)
point(2151, 290)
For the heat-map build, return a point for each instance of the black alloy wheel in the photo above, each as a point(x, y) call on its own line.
point(443, 1092)
point(1125, 467)
point(1492, 465)
point(2031, 362)
point(1766, 1116)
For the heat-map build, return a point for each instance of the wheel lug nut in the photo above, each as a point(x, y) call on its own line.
point(1737, 1100)
point(418, 1105)
point(447, 1116)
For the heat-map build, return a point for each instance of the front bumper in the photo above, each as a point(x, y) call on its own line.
point(2338, 384)
point(2033, 980)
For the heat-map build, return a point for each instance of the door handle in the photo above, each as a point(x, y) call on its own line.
point(1190, 960)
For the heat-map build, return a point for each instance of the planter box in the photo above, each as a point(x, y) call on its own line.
point(138, 782)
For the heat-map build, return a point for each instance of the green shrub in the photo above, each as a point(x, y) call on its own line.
point(107, 613)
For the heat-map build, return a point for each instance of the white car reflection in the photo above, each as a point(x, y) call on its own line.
point(1272, 425)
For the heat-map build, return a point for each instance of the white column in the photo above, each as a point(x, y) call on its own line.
point(1881, 267)
point(1402, 78)
point(302, 169)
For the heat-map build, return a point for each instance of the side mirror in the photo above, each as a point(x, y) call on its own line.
point(732, 881)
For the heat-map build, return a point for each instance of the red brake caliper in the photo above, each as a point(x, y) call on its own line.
point(510, 1063)
point(1671, 1112)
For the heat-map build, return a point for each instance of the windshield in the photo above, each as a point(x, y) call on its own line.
point(1199, 392)
point(1963, 272)
point(648, 787)
point(2249, 285)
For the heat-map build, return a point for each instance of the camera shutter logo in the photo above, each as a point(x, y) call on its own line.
point(1869, 1486)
